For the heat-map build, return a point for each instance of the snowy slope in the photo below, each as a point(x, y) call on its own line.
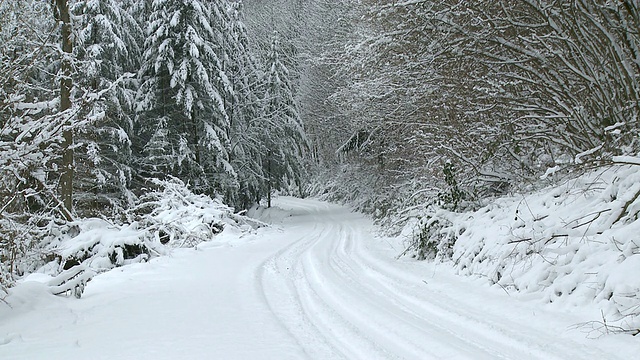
point(317, 285)
point(573, 245)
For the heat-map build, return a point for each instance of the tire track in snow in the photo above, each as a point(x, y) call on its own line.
point(440, 308)
point(381, 315)
point(274, 282)
point(318, 313)
point(339, 300)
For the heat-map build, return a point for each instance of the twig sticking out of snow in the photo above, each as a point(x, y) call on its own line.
point(597, 329)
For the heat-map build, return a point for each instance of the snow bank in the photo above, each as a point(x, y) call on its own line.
point(272, 215)
point(573, 243)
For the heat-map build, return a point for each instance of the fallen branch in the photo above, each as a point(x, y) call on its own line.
point(597, 215)
point(530, 240)
point(625, 208)
point(603, 328)
point(3, 298)
point(73, 281)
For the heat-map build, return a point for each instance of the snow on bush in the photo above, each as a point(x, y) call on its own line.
point(167, 216)
point(175, 216)
point(572, 243)
point(99, 243)
point(21, 236)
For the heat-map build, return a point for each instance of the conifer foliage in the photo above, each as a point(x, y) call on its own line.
point(108, 55)
point(183, 81)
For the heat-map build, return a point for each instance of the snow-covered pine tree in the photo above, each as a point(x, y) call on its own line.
point(284, 138)
point(107, 50)
point(290, 18)
point(182, 80)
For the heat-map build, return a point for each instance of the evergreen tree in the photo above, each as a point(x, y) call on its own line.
point(107, 52)
point(63, 16)
point(31, 131)
point(183, 81)
point(159, 152)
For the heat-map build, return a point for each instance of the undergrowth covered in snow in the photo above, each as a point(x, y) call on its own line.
point(167, 216)
point(574, 243)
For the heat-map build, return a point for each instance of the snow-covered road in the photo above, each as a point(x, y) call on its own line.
point(318, 285)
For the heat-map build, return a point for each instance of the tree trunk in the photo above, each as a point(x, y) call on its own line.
point(66, 83)
point(269, 180)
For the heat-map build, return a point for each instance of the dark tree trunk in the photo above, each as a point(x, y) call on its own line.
point(269, 180)
point(66, 83)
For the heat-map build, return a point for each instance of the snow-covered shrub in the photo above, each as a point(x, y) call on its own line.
point(28, 201)
point(166, 216)
point(571, 242)
point(22, 239)
point(432, 236)
point(175, 216)
point(99, 244)
point(434, 229)
point(452, 195)
point(169, 215)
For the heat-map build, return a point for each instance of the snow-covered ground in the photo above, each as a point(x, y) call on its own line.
point(316, 285)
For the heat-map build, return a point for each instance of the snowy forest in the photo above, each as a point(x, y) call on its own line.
point(143, 118)
point(99, 98)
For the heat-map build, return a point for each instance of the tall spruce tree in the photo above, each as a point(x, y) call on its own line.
point(183, 82)
point(107, 52)
point(63, 16)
